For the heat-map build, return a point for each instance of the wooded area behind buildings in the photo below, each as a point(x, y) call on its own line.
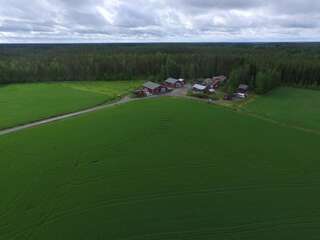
point(261, 66)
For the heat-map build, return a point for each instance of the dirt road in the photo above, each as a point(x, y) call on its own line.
point(65, 116)
point(180, 92)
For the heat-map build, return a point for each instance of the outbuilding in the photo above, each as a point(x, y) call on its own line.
point(199, 88)
point(154, 88)
point(174, 83)
point(218, 81)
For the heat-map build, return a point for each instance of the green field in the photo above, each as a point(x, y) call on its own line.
point(160, 169)
point(24, 103)
point(291, 106)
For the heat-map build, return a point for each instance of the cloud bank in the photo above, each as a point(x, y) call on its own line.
point(158, 20)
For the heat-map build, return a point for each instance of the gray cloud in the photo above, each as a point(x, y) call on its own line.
point(205, 5)
point(154, 20)
point(295, 6)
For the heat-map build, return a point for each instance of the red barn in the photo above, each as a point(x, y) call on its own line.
point(154, 88)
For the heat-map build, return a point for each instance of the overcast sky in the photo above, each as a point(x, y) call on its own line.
point(159, 20)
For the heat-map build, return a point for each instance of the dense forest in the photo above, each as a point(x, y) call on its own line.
point(261, 65)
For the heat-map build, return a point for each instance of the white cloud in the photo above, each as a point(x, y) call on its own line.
point(158, 20)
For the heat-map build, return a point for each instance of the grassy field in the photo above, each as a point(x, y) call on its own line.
point(23, 103)
point(160, 169)
point(294, 107)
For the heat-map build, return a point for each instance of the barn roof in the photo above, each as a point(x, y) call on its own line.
point(172, 80)
point(151, 85)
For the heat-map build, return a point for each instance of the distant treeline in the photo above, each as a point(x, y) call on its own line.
point(262, 66)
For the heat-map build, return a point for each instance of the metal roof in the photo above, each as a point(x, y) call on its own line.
point(199, 87)
point(151, 85)
point(172, 80)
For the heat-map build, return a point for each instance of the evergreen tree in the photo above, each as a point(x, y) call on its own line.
point(240, 75)
point(172, 68)
point(266, 80)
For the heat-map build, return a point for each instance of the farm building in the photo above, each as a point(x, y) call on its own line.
point(154, 88)
point(243, 88)
point(215, 82)
point(199, 88)
point(209, 84)
point(174, 83)
point(218, 80)
point(221, 78)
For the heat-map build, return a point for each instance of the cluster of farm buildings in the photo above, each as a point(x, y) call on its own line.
point(209, 85)
point(152, 88)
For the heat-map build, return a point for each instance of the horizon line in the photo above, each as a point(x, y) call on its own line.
point(158, 42)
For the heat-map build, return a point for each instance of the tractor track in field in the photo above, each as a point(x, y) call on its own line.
point(281, 124)
point(116, 202)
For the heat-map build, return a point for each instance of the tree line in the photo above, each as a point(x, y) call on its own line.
point(261, 66)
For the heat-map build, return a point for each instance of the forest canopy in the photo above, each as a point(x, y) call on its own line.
point(260, 65)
